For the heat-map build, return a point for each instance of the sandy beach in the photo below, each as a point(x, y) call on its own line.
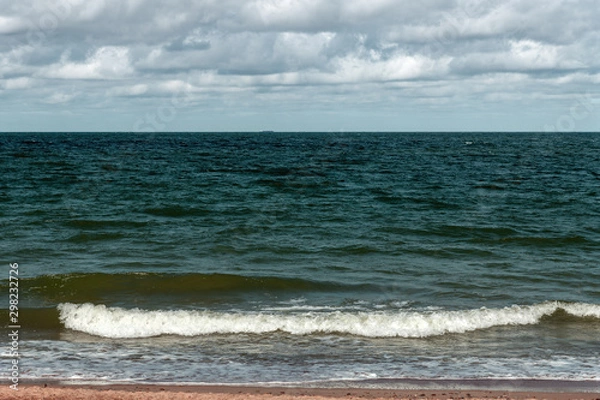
point(159, 392)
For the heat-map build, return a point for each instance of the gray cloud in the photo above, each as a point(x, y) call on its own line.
point(435, 55)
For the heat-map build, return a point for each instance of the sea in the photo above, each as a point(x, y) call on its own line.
point(329, 259)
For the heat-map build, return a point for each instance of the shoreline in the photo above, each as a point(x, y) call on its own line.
point(442, 390)
point(402, 384)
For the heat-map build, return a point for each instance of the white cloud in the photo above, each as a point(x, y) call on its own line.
point(131, 90)
point(288, 15)
point(299, 50)
point(176, 86)
point(529, 54)
point(11, 25)
point(60, 97)
point(90, 10)
point(18, 83)
point(107, 62)
point(400, 67)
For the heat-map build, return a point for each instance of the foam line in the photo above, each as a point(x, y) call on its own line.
point(114, 322)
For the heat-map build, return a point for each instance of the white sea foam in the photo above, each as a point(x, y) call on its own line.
point(114, 322)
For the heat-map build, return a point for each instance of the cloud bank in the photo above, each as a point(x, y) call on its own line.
point(295, 64)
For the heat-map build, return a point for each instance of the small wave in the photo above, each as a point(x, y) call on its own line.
point(549, 241)
point(100, 287)
point(97, 224)
point(89, 237)
point(175, 211)
point(114, 322)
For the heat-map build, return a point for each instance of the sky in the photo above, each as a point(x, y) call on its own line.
point(300, 65)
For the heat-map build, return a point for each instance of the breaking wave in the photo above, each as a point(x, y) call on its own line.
point(115, 322)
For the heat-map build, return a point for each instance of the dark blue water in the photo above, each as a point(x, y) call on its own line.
point(309, 258)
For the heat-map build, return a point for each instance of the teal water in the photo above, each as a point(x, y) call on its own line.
point(308, 258)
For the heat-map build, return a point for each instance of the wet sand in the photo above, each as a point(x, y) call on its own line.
point(156, 392)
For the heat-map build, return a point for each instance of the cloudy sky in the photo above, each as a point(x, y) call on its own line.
point(299, 65)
